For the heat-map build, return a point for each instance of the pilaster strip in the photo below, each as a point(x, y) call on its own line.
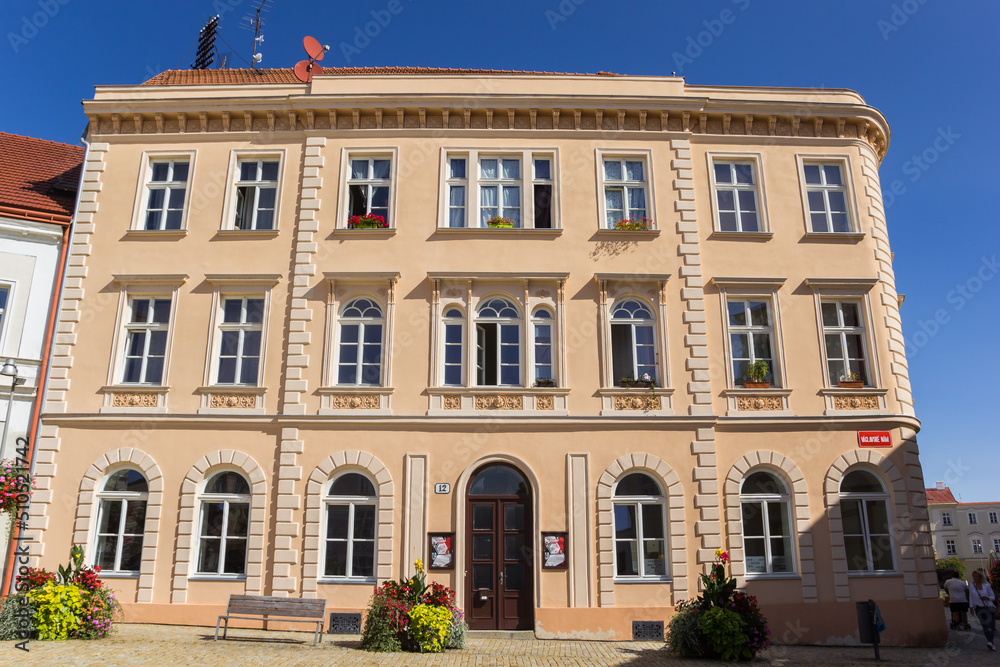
point(706, 475)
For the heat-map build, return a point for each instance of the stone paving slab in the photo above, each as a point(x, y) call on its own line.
point(160, 645)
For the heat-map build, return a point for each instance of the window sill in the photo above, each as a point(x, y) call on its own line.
point(381, 233)
point(835, 237)
point(126, 398)
point(497, 401)
point(636, 401)
point(217, 577)
point(247, 233)
point(349, 582)
point(355, 400)
point(764, 576)
point(771, 402)
point(862, 401)
point(155, 234)
point(231, 400)
point(623, 233)
point(518, 232)
point(119, 575)
point(742, 236)
point(875, 575)
point(645, 580)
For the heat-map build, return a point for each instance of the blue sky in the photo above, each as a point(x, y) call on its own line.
point(930, 66)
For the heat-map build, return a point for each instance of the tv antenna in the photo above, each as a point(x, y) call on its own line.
point(206, 45)
point(305, 70)
point(258, 38)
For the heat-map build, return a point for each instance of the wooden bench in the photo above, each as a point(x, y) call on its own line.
point(265, 608)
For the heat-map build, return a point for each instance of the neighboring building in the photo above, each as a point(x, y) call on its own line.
point(262, 399)
point(970, 531)
point(38, 183)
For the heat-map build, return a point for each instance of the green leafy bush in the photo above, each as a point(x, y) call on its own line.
point(58, 609)
point(380, 633)
point(429, 627)
point(458, 632)
point(952, 563)
point(684, 631)
point(15, 618)
point(725, 631)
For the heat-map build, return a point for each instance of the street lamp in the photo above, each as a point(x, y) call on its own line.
point(9, 370)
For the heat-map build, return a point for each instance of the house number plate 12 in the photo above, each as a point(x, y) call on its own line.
point(442, 488)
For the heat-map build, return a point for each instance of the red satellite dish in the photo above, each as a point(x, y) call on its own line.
point(305, 70)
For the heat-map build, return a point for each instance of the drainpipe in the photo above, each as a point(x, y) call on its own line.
point(10, 562)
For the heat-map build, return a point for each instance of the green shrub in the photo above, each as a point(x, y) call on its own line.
point(58, 609)
point(725, 631)
point(684, 632)
point(380, 633)
point(457, 633)
point(952, 563)
point(429, 627)
point(15, 618)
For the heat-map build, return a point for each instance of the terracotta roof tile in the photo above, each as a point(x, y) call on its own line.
point(191, 77)
point(39, 175)
point(940, 495)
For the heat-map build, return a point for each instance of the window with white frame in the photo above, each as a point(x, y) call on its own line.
point(996, 545)
point(359, 351)
point(864, 509)
point(543, 192)
point(977, 546)
point(513, 190)
point(224, 525)
point(640, 528)
point(166, 187)
point(751, 337)
point(844, 333)
point(121, 521)
point(240, 341)
point(146, 332)
point(633, 342)
point(350, 528)
point(766, 514)
point(541, 345)
point(945, 518)
point(500, 190)
point(949, 546)
point(256, 193)
point(993, 517)
point(973, 519)
point(458, 191)
point(4, 299)
point(454, 347)
point(826, 196)
point(736, 196)
point(626, 189)
point(498, 344)
point(368, 188)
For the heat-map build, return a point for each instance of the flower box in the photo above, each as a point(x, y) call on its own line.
point(370, 221)
point(500, 223)
point(545, 382)
point(636, 384)
point(749, 384)
point(845, 384)
point(633, 225)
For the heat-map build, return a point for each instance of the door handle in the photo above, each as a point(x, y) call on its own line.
point(501, 579)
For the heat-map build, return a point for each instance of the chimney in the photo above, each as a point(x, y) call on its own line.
point(941, 486)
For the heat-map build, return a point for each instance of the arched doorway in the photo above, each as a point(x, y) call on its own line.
point(499, 584)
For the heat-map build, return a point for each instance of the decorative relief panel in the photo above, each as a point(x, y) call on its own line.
point(135, 399)
point(637, 403)
point(544, 403)
point(452, 402)
point(855, 403)
point(356, 402)
point(759, 403)
point(499, 402)
point(232, 401)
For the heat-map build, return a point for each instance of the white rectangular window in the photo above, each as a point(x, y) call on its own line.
point(500, 191)
point(368, 192)
point(946, 518)
point(4, 299)
point(736, 196)
point(996, 545)
point(166, 186)
point(973, 519)
point(458, 191)
point(240, 341)
point(625, 191)
point(146, 340)
point(542, 190)
point(949, 546)
point(751, 334)
point(454, 325)
point(256, 194)
point(844, 333)
point(542, 345)
point(826, 196)
point(977, 546)
point(993, 517)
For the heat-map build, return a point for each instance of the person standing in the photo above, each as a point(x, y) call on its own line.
point(958, 600)
point(984, 603)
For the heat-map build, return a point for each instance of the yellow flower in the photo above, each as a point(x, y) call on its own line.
point(718, 553)
point(419, 564)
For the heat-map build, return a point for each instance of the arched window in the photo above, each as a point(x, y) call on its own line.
point(633, 342)
point(864, 509)
point(121, 520)
point(541, 329)
point(359, 358)
point(350, 528)
point(498, 344)
point(640, 528)
point(454, 349)
point(767, 534)
point(225, 525)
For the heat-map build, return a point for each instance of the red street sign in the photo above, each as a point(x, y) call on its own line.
point(874, 439)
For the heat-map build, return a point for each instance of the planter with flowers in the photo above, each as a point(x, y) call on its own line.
point(755, 374)
point(16, 484)
point(633, 225)
point(410, 615)
point(645, 381)
point(367, 221)
point(545, 382)
point(497, 222)
point(720, 623)
point(851, 381)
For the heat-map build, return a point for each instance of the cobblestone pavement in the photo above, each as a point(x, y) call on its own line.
point(160, 645)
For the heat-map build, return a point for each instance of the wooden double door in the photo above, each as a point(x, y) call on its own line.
point(499, 582)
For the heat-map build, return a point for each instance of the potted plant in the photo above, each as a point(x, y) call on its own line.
point(642, 224)
point(497, 222)
point(851, 380)
point(367, 221)
point(755, 374)
point(545, 382)
point(645, 380)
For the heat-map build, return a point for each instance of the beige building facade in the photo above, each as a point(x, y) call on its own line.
point(531, 372)
point(969, 531)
